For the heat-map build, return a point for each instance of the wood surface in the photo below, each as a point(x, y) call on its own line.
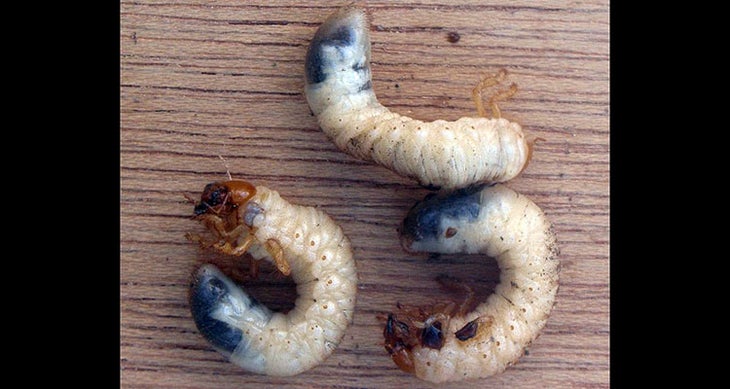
point(208, 86)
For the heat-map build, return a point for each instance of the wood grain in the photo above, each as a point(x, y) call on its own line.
point(203, 79)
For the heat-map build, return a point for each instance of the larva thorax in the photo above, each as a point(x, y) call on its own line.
point(303, 232)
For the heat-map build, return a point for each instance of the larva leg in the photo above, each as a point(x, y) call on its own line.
point(198, 239)
point(501, 95)
point(225, 247)
point(257, 221)
point(453, 284)
point(424, 326)
point(228, 242)
point(478, 91)
point(486, 82)
point(239, 249)
point(214, 224)
point(217, 224)
point(477, 95)
point(277, 253)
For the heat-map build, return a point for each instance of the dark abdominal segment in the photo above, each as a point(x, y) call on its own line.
point(423, 221)
point(315, 62)
point(207, 291)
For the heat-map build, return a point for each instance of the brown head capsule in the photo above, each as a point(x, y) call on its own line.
point(226, 208)
point(397, 338)
point(223, 197)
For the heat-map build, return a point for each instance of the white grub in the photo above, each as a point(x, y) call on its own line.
point(301, 241)
point(439, 154)
point(441, 344)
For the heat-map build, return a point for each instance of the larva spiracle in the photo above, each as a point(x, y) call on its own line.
point(301, 241)
point(439, 154)
point(439, 343)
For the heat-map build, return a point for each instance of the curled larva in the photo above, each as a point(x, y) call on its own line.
point(441, 343)
point(439, 154)
point(301, 241)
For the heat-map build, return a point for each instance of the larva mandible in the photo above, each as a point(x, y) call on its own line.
point(439, 154)
point(437, 344)
point(301, 241)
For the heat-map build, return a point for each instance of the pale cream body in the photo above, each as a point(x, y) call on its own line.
point(513, 230)
point(323, 268)
point(445, 154)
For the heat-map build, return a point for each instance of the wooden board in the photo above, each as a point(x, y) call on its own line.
point(203, 79)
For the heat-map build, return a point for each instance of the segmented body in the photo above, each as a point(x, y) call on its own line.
point(500, 223)
point(320, 260)
point(442, 154)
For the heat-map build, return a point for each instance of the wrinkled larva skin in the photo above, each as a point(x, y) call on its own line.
point(500, 223)
point(322, 265)
point(439, 154)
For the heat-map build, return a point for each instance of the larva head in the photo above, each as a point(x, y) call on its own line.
point(418, 330)
point(432, 225)
point(223, 197)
